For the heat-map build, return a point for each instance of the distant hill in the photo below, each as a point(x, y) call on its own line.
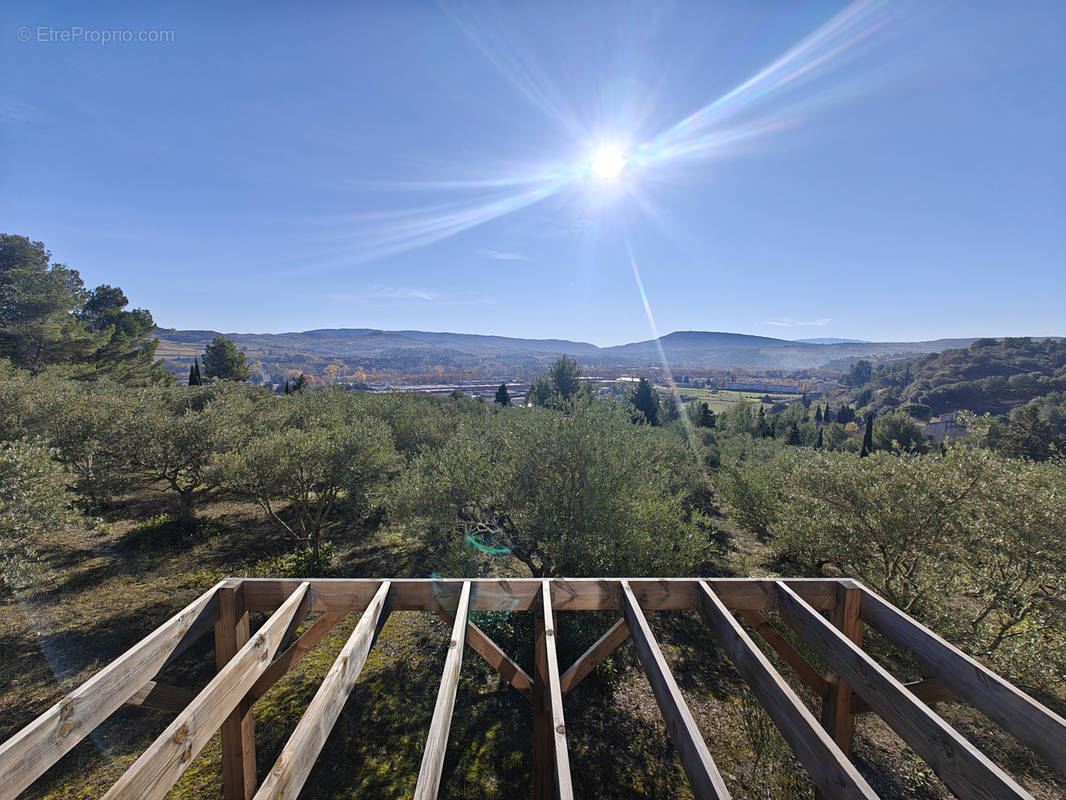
point(832, 340)
point(411, 352)
point(994, 375)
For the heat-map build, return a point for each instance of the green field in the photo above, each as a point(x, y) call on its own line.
point(723, 399)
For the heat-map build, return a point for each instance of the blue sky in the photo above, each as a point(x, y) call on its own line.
point(889, 171)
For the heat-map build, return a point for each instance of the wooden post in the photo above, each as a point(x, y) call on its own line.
point(837, 717)
point(543, 758)
point(238, 731)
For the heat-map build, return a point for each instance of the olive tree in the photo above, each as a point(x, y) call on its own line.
point(33, 501)
point(171, 438)
point(583, 493)
point(314, 465)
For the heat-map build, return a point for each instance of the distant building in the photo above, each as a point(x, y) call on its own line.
point(765, 388)
point(947, 427)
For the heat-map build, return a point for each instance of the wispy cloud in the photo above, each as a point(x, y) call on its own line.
point(503, 255)
point(404, 293)
point(791, 323)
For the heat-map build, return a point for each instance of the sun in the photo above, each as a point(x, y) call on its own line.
point(607, 163)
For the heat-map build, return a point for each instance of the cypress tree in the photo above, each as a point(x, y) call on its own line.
point(868, 436)
point(192, 375)
point(818, 444)
point(827, 417)
point(794, 435)
point(503, 397)
point(818, 415)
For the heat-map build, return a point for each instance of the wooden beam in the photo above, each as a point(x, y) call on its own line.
point(152, 775)
point(1027, 720)
point(543, 760)
point(702, 773)
point(238, 729)
point(836, 704)
point(437, 740)
point(289, 772)
point(295, 653)
point(929, 691)
point(789, 654)
point(555, 702)
point(824, 761)
point(523, 594)
point(26, 755)
point(161, 697)
point(494, 656)
point(592, 657)
point(960, 765)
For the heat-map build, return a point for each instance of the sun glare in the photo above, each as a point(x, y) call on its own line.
point(608, 163)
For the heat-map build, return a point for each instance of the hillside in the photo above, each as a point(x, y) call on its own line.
point(989, 375)
point(412, 352)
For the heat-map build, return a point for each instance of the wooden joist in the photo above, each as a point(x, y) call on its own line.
point(523, 594)
point(494, 656)
point(26, 755)
point(152, 775)
point(592, 657)
point(703, 774)
point(554, 702)
point(789, 654)
point(248, 665)
point(437, 740)
point(826, 763)
point(161, 697)
point(295, 653)
point(930, 691)
point(294, 764)
point(960, 765)
point(1027, 720)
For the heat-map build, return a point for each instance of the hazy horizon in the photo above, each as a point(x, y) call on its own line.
point(591, 172)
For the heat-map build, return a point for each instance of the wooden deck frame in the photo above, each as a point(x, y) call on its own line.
point(250, 663)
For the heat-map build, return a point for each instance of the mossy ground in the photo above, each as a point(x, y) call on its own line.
point(102, 588)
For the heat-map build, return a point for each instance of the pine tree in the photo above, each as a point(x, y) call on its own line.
point(503, 397)
point(646, 400)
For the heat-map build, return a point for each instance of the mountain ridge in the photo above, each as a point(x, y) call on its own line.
point(418, 352)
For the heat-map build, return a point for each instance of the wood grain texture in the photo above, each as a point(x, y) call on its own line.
point(152, 775)
point(238, 729)
point(836, 704)
point(437, 740)
point(564, 789)
point(522, 594)
point(960, 765)
point(929, 691)
point(26, 755)
point(295, 653)
point(703, 775)
point(1029, 721)
point(825, 762)
point(294, 764)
